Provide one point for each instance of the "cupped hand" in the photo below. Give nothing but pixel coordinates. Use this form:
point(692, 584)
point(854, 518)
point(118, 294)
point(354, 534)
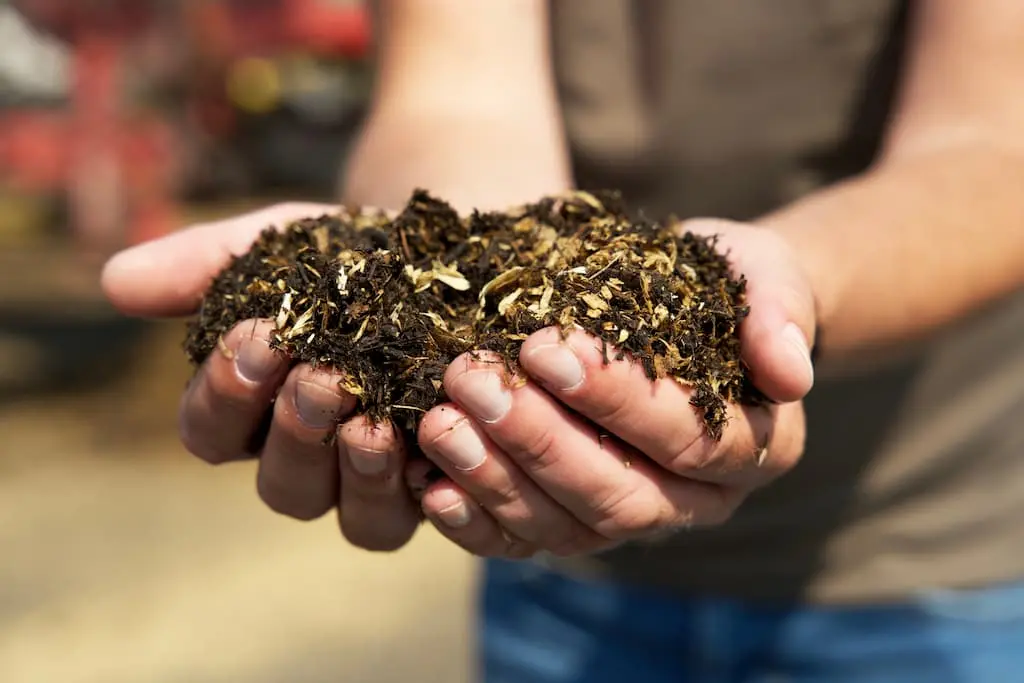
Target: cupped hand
point(579, 455)
point(248, 401)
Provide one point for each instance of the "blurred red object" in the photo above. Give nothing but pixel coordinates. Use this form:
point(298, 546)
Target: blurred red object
point(117, 166)
point(230, 29)
point(67, 18)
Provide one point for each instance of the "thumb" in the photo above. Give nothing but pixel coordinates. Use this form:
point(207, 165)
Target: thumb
point(778, 335)
point(167, 276)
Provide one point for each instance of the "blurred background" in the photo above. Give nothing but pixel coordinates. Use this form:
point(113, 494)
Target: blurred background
point(121, 557)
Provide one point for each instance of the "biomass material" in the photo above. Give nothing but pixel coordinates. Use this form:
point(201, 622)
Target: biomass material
point(391, 301)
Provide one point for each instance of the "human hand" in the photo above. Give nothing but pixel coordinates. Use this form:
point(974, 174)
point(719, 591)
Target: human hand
point(226, 404)
point(529, 468)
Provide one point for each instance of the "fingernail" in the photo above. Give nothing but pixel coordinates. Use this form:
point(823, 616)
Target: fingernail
point(556, 365)
point(367, 461)
point(483, 394)
point(455, 516)
point(462, 446)
point(256, 361)
point(317, 405)
point(796, 339)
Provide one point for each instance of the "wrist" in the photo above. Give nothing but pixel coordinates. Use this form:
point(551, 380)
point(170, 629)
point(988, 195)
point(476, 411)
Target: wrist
point(473, 161)
point(823, 252)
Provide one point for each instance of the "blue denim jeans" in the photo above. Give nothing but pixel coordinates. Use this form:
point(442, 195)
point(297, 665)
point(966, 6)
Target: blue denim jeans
point(542, 627)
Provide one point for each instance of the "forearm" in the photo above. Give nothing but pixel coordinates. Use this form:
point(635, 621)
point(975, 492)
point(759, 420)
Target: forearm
point(464, 106)
point(911, 246)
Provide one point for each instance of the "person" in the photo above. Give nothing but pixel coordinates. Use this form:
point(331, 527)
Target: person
point(862, 162)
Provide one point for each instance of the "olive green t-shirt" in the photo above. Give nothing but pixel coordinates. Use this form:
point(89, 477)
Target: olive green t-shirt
point(913, 476)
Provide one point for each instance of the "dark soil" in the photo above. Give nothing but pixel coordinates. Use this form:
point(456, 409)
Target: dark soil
point(390, 302)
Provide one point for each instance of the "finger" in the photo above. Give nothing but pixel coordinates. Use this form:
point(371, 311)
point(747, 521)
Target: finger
point(377, 511)
point(418, 477)
point(226, 401)
point(461, 520)
point(167, 276)
point(604, 484)
point(779, 332)
point(457, 444)
point(655, 417)
point(298, 472)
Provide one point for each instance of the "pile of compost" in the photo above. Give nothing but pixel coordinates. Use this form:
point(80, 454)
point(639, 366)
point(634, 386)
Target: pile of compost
point(389, 301)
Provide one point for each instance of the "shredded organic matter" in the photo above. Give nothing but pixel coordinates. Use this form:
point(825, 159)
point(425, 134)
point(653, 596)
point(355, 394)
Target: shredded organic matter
point(389, 301)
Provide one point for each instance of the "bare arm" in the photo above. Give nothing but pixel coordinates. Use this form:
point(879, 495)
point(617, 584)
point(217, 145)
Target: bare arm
point(936, 229)
point(464, 106)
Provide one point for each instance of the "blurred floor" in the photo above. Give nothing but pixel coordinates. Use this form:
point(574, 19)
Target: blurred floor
point(125, 560)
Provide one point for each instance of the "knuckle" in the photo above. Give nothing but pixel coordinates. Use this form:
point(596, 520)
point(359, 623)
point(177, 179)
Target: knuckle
point(626, 513)
point(614, 408)
point(505, 496)
point(539, 452)
point(693, 452)
point(505, 500)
